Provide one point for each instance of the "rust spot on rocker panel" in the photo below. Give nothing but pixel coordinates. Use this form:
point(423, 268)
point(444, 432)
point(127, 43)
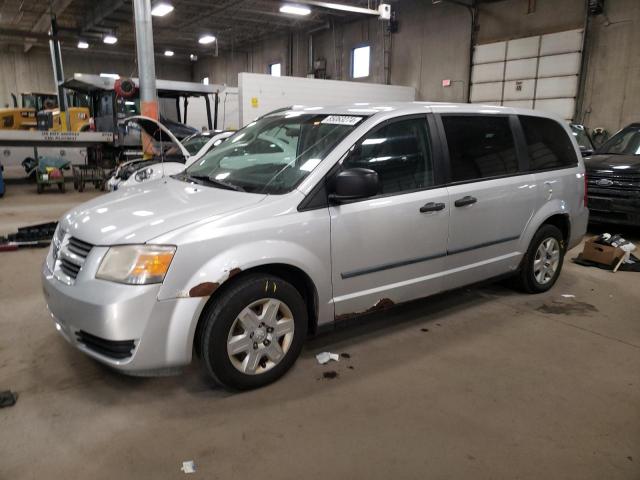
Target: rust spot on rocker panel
point(382, 304)
point(205, 289)
point(233, 272)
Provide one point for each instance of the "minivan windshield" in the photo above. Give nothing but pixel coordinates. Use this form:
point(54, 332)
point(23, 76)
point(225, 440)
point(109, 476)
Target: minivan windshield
point(273, 154)
point(625, 142)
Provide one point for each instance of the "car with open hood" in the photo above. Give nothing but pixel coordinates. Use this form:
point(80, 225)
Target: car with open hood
point(310, 216)
point(173, 155)
point(613, 173)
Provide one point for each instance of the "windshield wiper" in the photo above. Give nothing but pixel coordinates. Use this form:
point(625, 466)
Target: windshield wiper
point(204, 179)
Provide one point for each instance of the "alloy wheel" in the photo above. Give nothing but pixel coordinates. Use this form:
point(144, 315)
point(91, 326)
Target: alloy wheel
point(260, 336)
point(546, 260)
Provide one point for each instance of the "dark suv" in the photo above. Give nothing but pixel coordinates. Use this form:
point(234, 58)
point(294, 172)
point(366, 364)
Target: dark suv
point(613, 179)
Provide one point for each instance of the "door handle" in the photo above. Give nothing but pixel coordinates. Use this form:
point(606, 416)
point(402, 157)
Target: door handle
point(432, 207)
point(464, 201)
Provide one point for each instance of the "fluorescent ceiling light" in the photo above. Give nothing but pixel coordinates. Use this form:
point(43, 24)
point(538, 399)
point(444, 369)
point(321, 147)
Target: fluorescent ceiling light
point(295, 9)
point(110, 39)
point(206, 39)
point(82, 44)
point(168, 53)
point(160, 9)
point(110, 75)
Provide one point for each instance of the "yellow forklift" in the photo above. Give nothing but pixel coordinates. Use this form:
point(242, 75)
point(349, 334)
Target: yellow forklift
point(41, 111)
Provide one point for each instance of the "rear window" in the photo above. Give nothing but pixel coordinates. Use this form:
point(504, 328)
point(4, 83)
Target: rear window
point(548, 144)
point(479, 147)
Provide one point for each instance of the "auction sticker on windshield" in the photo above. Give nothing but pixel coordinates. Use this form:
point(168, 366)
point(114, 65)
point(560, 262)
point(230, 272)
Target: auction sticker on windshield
point(341, 120)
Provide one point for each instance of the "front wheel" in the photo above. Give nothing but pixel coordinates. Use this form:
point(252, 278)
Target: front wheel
point(253, 333)
point(542, 263)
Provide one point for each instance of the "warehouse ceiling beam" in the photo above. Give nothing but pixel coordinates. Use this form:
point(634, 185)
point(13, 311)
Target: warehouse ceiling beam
point(100, 12)
point(43, 24)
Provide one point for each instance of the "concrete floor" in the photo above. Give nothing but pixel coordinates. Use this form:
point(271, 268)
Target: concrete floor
point(478, 383)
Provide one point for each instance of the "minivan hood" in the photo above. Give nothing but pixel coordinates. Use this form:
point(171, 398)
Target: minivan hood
point(614, 163)
point(139, 214)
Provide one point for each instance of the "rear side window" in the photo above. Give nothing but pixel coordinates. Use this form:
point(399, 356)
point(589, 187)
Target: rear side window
point(479, 147)
point(548, 144)
point(399, 152)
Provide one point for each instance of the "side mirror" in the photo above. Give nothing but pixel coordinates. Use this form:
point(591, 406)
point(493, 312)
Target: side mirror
point(587, 152)
point(353, 184)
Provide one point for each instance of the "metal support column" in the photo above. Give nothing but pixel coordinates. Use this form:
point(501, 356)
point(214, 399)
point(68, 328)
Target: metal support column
point(146, 64)
point(58, 73)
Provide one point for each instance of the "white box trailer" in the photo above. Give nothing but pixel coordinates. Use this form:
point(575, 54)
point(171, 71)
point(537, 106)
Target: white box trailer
point(260, 94)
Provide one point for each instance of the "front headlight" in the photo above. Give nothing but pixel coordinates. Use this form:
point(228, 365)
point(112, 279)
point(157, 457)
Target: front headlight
point(136, 264)
point(144, 174)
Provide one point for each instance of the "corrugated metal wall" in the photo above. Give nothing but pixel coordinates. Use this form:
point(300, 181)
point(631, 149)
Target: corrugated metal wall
point(20, 72)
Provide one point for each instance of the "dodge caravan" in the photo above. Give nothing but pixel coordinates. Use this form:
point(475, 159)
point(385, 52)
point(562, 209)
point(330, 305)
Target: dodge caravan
point(308, 216)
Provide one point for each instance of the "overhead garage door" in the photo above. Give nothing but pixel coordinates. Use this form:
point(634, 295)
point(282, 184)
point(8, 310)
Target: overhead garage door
point(539, 72)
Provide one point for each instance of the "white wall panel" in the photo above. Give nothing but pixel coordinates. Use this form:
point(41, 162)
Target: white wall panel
point(557, 87)
point(519, 89)
point(259, 94)
point(521, 69)
point(229, 109)
point(561, 42)
point(518, 103)
point(540, 72)
point(563, 107)
point(487, 72)
point(523, 48)
point(559, 65)
point(486, 92)
point(490, 52)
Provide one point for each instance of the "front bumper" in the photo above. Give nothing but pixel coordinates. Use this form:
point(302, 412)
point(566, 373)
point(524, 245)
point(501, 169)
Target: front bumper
point(614, 209)
point(160, 333)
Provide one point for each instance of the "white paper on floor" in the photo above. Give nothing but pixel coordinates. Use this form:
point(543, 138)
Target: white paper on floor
point(326, 357)
point(188, 467)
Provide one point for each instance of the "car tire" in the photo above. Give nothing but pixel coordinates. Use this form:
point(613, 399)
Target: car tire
point(542, 263)
point(253, 332)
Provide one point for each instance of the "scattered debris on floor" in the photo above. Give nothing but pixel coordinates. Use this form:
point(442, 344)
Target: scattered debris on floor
point(568, 295)
point(326, 357)
point(8, 398)
point(561, 308)
point(32, 236)
point(330, 374)
point(351, 367)
point(345, 355)
point(424, 329)
point(188, 466)
point(610, 252)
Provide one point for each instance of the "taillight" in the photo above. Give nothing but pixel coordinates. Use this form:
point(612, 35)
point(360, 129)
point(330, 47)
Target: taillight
point(585, 190)
point(92, 124)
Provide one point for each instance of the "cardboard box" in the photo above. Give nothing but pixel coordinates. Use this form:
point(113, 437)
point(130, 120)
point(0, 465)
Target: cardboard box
point(602, 254)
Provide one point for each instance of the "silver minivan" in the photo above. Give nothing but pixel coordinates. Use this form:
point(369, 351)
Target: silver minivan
point(306, 217)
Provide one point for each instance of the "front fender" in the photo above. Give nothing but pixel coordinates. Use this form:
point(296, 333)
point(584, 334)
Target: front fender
point(200, 283)
point(211, 275)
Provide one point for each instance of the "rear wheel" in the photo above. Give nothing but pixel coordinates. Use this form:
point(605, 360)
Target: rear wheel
point(542, 263)
point(62, 187)
point(253, 332)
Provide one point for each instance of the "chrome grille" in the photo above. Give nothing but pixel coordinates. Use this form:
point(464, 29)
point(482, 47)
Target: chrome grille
point(614, 181)
point(79, 247)
point(69, 254)
point(70, 269)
